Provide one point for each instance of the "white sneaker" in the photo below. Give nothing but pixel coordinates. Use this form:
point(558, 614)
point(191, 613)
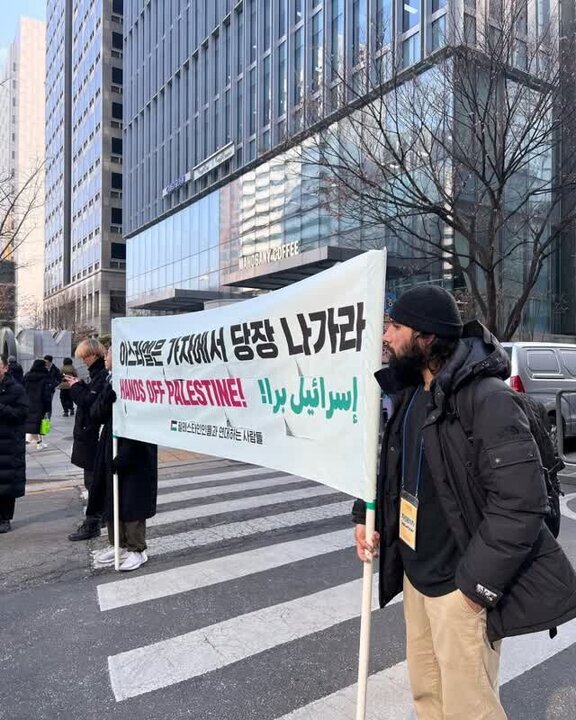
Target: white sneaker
point(41, 445)
point(134, 560)
point(106, 556)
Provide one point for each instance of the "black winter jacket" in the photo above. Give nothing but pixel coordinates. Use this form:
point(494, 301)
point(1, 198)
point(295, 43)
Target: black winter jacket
point(85, 429)
point(491, 486)
point(13, 413)
point(137, 465)
point(38, 388)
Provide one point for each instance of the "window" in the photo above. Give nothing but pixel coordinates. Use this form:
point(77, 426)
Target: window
point(116, 181)
point(118, 7)
point(266, 90)
point(383, 23)
point(521, 55)
point(252, 102)
point(438, 32)
point(266, 22)
point(117, 111)
point(239, 111)
point(117, 76)
point(116, 216)
point(438, 5)
point(337, 38)
point(543, 16)
point(281, 90)
point(298, 66)
point(117, 42)
point(240, 42)
point(227, 57)
point(298, 10)
point(542, 362)
point(411, 50)
point(358, 31)
point(117, 146)
point(410, 14)
point(252, 31)
point(282, 14)
point(569, 360)
point(317, 50)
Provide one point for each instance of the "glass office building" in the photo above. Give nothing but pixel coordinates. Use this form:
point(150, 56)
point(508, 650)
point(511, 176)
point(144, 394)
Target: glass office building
point(219, 99)
point(84, 280)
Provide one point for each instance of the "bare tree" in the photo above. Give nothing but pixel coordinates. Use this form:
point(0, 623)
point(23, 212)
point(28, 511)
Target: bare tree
point(453, 163)
point(18, 203)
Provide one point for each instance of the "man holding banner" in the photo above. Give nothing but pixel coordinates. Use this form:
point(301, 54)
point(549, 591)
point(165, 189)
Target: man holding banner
point(461, 517)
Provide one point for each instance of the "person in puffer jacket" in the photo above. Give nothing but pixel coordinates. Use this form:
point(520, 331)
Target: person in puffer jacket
point(459, 517)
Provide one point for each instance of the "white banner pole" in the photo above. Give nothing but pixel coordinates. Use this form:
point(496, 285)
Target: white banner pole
point(116, 509)
point(365, 621)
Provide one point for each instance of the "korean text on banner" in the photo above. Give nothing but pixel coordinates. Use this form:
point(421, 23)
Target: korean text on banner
point(284, 380)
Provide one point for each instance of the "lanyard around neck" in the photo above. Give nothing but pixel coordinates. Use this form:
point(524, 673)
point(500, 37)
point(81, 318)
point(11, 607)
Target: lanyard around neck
point(420, 450)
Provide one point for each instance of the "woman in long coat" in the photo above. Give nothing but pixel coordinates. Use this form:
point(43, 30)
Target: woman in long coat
point(13, 413)
point(137, 466)
point(39, 391)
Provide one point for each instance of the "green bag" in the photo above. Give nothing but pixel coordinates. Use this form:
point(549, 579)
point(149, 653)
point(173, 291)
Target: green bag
point(45, 426)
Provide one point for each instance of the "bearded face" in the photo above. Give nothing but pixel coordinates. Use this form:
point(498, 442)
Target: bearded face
point(407, 360)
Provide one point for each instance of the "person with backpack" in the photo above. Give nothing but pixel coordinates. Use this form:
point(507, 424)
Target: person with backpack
point(460, 510)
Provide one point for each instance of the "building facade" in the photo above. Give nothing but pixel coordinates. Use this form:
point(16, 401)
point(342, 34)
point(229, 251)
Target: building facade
point(224, 103)
point(22, 172)
point(84, 277)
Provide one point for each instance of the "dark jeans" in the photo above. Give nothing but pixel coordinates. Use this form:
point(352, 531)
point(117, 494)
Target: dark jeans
point(7, 508)
point(132, 535)
point(66, 400)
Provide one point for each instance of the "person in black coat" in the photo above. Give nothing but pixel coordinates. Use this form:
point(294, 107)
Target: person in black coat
point(137, 467)
point(460, 510)
point(85, 434)
point(15, 369)
point(55, 377)
point(13, 414)
point(39, 391)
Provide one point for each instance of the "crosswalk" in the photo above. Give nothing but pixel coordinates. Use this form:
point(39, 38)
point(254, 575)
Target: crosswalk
point(260, 565)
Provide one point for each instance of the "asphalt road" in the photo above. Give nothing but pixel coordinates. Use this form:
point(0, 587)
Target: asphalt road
point(246, 610)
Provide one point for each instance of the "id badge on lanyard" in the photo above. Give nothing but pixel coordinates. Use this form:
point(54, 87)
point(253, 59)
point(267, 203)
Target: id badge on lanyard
point(408, 519)
point(409, 502)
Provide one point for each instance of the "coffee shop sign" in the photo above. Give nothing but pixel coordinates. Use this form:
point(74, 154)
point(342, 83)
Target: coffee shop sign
point(270, 255)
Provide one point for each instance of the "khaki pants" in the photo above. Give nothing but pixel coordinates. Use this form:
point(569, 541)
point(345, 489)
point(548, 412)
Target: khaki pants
point(132, 535)
point(453, 669)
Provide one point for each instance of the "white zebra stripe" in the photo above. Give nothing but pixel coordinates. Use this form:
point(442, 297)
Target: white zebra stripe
point(184, 657)
point(228, 506)
point(205, 492)
point(231, 475)
point(245, 528)
point(199, 575)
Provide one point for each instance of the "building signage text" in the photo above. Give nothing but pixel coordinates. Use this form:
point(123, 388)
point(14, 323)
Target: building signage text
point(270, 255)
point(177, 184)
point(214, 160)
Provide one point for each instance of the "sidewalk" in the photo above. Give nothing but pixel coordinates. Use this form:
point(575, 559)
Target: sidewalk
point(53, 463)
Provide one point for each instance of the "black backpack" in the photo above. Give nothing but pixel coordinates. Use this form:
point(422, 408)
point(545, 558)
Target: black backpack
point(540, 429)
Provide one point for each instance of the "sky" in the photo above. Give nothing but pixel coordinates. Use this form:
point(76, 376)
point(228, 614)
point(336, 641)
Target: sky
point(10, 11)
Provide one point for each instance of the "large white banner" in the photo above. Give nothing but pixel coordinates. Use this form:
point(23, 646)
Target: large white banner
point(285, 380)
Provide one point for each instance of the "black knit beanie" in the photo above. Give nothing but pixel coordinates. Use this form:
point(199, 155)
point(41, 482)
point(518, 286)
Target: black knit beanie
point(428, 309)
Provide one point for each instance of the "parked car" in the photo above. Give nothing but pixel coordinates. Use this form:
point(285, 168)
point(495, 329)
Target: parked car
point(542, 369)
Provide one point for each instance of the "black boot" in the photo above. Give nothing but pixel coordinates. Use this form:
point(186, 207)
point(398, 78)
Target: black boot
point(85, 531)
point(5, 526)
